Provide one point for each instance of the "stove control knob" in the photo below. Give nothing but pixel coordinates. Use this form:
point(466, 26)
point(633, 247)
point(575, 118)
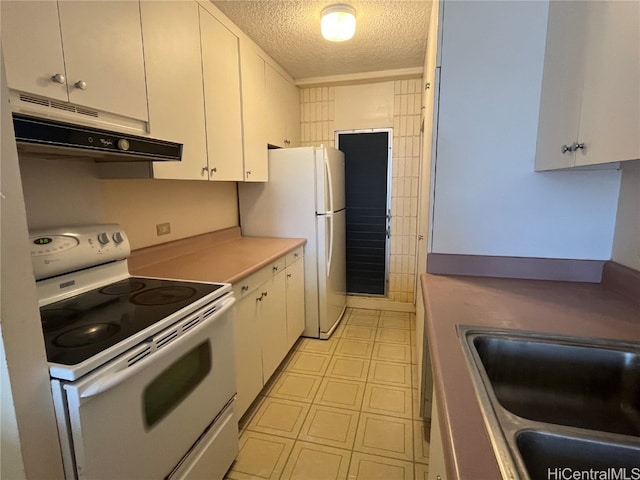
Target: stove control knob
point(103, 238)
point(118, 238)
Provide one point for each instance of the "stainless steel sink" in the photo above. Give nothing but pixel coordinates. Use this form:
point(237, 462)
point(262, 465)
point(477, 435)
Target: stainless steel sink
point(543, 452)
point(556, 402)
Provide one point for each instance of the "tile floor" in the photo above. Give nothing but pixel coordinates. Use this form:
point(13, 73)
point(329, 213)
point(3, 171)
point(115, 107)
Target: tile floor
point(343, 408)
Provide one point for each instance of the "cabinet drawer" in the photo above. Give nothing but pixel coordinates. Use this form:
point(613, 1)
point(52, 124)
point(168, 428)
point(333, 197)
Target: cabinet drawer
point(247, 285)
point(295, 255)
point(278, 266)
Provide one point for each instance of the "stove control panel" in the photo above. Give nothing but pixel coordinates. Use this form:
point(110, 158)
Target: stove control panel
point(66, 249)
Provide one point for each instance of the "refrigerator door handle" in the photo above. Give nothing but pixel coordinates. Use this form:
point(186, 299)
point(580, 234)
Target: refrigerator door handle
point(327, 172)
point(329, 258)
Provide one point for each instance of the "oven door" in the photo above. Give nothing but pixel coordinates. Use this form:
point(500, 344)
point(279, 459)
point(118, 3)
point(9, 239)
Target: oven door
point(139, 421)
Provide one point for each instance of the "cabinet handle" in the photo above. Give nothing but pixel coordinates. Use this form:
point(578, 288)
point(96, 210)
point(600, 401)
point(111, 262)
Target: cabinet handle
point(58, 78)
point(572, 148)
point(288, 275)
point(295, 255)
point(214, 169)
point(248, 173)
point(566, 149)
point(275, 269)
point(81, 84)
point(259, 299)
point(245, 288)
point(264, 294)
point(205, 170)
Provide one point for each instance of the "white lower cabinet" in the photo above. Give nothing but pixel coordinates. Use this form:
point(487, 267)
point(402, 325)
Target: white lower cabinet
point(295, 301)
point(269, 320)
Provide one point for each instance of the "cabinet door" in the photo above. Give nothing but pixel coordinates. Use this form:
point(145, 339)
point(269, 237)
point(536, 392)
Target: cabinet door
point(273, 325)
point(561, 85)
point(248, 351)
point(295, 301)
point(253, 118)
point(174, 84)
point(103, 48)
point(610, 116)
point(32, 48)
point(221, 72)
point(277, 99)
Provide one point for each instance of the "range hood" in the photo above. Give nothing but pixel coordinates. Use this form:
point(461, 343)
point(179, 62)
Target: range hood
point(44, 136)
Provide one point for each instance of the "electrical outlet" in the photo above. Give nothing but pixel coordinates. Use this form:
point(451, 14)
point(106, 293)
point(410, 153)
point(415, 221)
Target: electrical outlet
point(163, 228)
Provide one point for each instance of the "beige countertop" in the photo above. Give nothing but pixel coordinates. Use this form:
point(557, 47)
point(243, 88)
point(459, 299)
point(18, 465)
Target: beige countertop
point(564, 308)
point(222, 256)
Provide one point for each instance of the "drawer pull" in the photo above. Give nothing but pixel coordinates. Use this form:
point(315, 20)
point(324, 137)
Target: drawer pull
point(275, 269)
point(245, 288)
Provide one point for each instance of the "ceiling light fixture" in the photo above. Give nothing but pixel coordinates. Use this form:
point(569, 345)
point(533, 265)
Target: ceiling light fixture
point(338, 23)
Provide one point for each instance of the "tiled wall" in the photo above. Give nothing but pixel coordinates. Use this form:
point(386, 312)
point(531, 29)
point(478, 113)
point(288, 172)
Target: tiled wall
point(317, 115)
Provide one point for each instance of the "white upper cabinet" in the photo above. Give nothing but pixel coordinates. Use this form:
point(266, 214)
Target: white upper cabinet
point(610, 120)
point(283, 110)
point(87, 53)
point(174, 83)
point(221, 70)
point(194, 90)
point(33, 60)
point(590, 104)
point(252, 71)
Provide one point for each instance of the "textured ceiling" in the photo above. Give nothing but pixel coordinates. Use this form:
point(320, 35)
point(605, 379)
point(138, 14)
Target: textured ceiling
point(389, 34)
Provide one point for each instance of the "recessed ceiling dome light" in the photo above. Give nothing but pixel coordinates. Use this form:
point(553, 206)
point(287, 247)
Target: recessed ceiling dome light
point(338, 23)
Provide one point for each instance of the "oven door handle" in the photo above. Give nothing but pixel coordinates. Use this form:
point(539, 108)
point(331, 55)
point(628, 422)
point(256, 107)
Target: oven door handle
point(108, 381)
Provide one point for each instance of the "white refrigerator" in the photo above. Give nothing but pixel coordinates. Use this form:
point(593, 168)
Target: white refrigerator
point(304, 198)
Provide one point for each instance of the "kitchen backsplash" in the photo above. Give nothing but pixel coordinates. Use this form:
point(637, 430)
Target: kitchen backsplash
point(317, 112)
point(68, 192)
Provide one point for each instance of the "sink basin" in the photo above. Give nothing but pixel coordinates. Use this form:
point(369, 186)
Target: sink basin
point(556, 402)
point(580, 386)
point(543, 452)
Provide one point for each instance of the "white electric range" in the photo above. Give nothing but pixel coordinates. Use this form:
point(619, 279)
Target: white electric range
point(142, 369)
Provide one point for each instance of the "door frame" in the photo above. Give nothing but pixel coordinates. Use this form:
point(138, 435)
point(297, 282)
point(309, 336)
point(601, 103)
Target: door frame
point(387, 245)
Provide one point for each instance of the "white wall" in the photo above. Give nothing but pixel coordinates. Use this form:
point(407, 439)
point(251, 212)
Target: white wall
point(364, 106)
point(626, 241)
point(488, 200)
